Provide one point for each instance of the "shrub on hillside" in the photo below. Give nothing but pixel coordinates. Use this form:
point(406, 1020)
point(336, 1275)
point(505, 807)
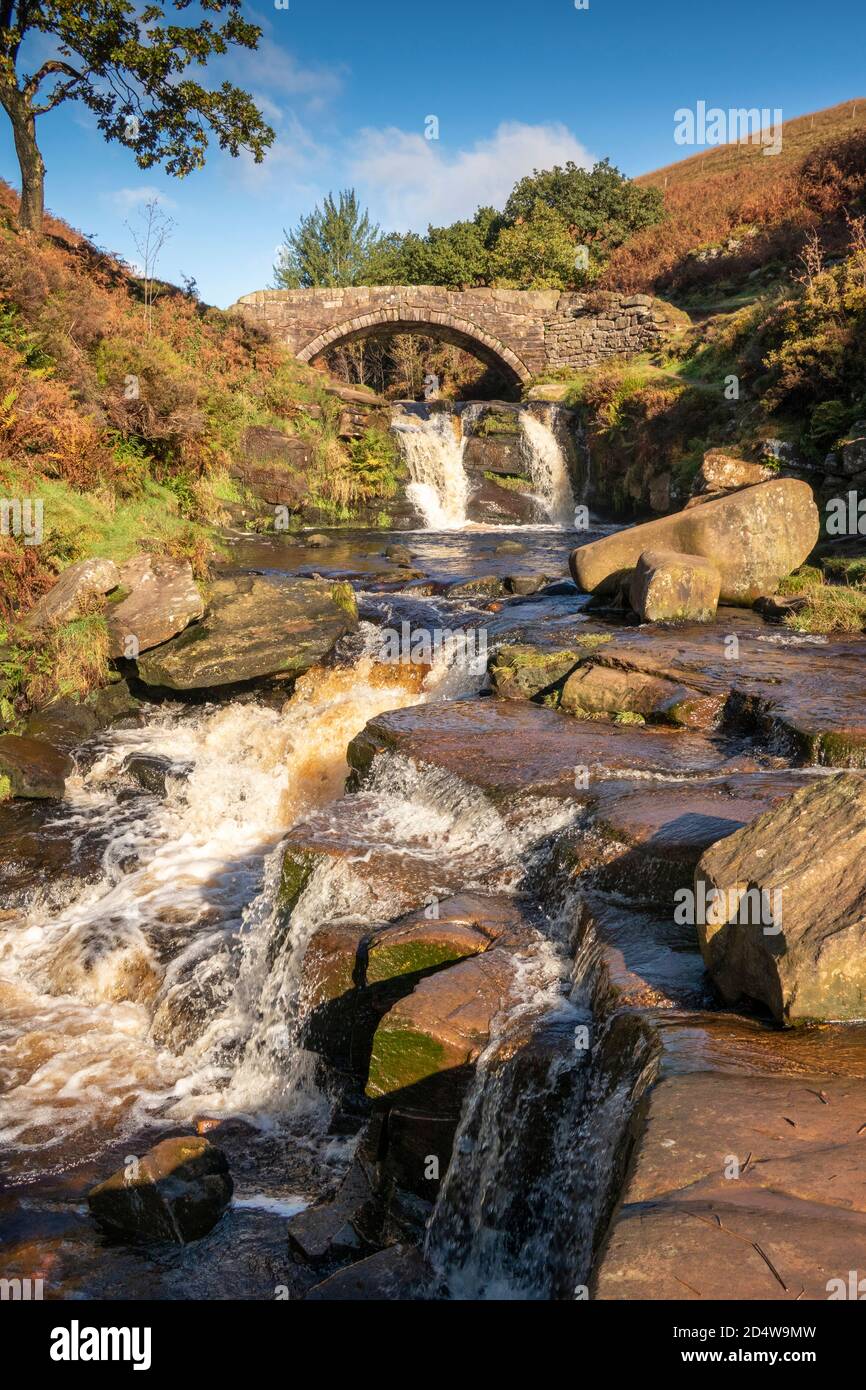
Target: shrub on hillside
point(151, 394)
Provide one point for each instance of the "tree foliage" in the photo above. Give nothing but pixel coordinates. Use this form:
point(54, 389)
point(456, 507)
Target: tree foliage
point(556, 232)
point(334, 246)
point(601, 207)
point(129, 66)
point(536, 253)
point(454, 255)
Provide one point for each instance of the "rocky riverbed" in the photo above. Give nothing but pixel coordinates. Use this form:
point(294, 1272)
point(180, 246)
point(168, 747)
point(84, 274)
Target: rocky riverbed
point(397, 939)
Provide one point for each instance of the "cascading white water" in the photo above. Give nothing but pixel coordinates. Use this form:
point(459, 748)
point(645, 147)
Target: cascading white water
point(548, 468)
point(433, 451)
point(123, 1005)
point(434, 444)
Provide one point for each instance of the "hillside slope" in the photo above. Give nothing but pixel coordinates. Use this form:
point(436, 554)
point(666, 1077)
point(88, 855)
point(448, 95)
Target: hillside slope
point(764, 204)
point(123, 435)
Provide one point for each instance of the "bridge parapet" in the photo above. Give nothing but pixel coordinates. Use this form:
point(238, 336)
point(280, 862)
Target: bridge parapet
point(524, 332)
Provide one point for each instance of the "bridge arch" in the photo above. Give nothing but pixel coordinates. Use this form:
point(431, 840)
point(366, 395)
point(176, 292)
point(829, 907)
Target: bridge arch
point(447, 327)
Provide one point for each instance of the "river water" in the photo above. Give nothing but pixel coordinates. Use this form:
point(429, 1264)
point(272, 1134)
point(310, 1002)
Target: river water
point(150, 984)
point(139, 991)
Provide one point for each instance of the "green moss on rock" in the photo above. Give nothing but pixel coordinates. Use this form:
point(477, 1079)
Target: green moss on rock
point(297, 869)
point(402, 1057)
point(410, 958)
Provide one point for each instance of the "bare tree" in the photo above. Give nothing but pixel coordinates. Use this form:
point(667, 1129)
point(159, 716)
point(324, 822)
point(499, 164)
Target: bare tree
point(149, 241)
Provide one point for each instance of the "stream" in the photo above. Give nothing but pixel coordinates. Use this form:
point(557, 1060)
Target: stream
point(151, 983)
point(139, 994)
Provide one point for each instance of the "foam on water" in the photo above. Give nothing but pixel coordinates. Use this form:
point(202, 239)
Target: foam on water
point(114, 1004)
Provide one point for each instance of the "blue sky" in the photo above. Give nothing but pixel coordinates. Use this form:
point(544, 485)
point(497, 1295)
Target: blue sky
point(349, 84)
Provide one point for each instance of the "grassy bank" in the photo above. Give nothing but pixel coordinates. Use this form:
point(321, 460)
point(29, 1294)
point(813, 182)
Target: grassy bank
point(125, 430)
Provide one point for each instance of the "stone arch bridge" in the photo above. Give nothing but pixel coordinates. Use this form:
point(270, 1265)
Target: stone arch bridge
point(519, 332)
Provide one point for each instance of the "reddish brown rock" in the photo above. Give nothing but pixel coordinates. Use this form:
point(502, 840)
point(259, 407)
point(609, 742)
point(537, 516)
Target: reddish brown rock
point(177, 1191)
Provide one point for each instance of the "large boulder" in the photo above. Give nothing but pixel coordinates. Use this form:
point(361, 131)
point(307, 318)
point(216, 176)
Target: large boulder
point(85, 580)
point(603, 690)
point(31, 768)
point(753, 537)
point(254, 628)
point(786, 924)
point(163, 600)
point(177, 1191)
point(721, 472)
point(668, 587)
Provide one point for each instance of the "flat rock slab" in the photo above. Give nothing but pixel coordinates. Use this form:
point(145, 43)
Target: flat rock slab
point(712, 1250)
point(740, 1045)
point(163, 599)
point(811, 690)
point(254, 628)
point(31, 768)
point(507, 747)
point(792, 1219)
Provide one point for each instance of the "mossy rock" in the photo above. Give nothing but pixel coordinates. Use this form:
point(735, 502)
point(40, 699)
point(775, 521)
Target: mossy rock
point(403, 1057)
point(298, 866)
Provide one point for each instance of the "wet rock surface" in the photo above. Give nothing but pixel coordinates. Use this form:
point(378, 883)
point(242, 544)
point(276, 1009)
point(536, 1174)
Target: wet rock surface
point(805, 693)
point(254, 628)
point(476, 740)
point(30, 767)
point(177, 1192)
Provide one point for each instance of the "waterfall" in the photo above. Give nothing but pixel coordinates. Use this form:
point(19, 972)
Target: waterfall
point(543, 1136)
point(549, 470)
point(142, 995)
point(433, 443)
point(433, 449)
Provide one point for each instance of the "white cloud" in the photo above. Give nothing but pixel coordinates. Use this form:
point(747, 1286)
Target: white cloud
point(275, 71)
point(294, 154)
point(411, 181)
point(128, 199)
